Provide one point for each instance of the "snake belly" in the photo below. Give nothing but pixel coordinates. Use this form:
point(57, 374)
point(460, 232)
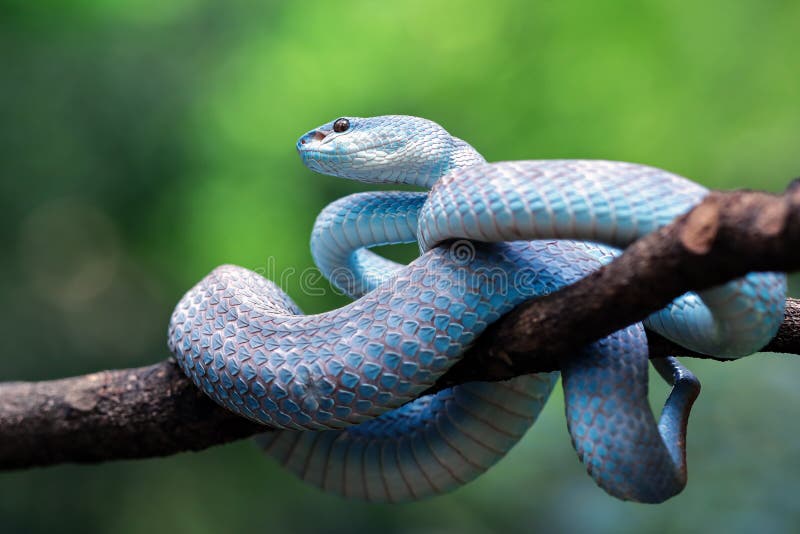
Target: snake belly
point(243, 341)
point(432, 444)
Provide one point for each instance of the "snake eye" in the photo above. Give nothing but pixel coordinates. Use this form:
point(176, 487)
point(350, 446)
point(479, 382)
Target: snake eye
point(341, 125)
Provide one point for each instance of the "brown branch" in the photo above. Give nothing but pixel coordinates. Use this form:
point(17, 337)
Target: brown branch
point(724, 237)
point(156, 411)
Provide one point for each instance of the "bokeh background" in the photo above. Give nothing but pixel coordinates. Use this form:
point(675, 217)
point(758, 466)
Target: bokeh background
point(144, 142)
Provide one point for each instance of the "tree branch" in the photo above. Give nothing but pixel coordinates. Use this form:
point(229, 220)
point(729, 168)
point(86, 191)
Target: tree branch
point(156, 411)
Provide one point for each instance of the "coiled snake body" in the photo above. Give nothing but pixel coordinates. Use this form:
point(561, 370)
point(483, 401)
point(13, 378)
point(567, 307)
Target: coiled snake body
point(343, 384)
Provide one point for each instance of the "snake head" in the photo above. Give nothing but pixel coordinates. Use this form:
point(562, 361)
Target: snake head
point(385, 149)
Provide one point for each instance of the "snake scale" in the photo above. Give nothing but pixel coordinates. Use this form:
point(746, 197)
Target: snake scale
point(341, 387)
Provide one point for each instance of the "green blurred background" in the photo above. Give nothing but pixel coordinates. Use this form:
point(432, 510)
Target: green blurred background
point(144, 142)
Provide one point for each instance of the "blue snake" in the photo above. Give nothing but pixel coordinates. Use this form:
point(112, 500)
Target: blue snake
point(342, 386)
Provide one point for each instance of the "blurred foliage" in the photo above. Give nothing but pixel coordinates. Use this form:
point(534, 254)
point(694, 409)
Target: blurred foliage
point(145, 142)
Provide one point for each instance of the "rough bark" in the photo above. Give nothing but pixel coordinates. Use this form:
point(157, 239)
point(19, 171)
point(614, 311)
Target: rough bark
point(156, 411)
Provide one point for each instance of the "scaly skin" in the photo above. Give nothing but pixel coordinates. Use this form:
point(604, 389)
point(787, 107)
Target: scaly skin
point(240, 338)
point(341, 233)
point(471, 426)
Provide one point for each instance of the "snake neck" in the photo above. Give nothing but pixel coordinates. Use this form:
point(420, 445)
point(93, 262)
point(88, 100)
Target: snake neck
point(424, 167)
point(460, 155)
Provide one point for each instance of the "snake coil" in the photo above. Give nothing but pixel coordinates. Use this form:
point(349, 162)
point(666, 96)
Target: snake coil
point(341, 387)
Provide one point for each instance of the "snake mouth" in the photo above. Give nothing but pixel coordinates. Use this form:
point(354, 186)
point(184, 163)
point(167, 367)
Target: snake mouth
point(320, 150)
point(320, 143)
